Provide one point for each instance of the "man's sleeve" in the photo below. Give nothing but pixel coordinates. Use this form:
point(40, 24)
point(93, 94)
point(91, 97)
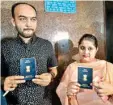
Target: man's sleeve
point(4, 68)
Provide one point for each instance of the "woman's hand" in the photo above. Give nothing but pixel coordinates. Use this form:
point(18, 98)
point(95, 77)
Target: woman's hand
point(104, 88)
point(73, 88)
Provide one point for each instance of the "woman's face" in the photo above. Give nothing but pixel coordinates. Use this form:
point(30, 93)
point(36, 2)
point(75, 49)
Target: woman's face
point(87, 50)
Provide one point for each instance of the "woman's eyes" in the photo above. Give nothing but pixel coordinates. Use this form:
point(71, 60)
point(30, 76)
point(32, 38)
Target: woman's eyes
point(83, 48)
point(90, 48)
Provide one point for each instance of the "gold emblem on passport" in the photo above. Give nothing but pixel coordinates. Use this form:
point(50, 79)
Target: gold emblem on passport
point(85, 77)
point(27, 68)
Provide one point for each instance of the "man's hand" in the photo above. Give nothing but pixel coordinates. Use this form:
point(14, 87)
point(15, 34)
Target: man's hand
point(11, 82)
point(43, 79)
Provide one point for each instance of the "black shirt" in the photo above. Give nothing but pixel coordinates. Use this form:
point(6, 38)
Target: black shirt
point(12, 51)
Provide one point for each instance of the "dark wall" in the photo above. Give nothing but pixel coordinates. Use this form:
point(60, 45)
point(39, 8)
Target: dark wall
point(109, 30)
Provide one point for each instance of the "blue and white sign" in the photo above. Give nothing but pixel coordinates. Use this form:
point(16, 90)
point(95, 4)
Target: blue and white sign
point(62, 6)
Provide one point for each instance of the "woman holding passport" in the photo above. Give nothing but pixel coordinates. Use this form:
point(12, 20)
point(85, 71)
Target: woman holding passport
point(88, 81)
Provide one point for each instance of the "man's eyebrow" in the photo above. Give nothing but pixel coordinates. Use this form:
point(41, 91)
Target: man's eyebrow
point(34, 17)
point(27, 17)
point(22, 16)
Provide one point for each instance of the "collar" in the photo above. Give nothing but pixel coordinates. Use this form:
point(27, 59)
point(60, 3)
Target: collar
point(32, 40)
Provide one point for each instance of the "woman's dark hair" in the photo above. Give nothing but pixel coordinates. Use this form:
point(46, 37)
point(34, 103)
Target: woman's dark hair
point(19, 3)
point(89, 37)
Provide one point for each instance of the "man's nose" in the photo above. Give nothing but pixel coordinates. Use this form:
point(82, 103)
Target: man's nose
point(28, 23)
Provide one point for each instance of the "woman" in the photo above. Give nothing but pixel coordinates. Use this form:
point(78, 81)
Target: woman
point(69, 90)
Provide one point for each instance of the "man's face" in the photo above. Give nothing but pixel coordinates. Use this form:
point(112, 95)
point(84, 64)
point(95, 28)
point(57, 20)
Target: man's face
point(25, 20)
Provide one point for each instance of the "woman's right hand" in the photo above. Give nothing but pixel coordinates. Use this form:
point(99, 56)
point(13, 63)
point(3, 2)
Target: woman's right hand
point(11, 82)
point(73, 88)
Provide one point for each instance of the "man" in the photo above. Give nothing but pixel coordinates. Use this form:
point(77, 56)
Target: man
point(27, 45)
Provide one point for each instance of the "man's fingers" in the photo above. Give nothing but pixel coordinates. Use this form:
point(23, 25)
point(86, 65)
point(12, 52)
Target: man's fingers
point(43, 76)
point(14, 85)
point(18, 81)
point(11, 78)
point(38, 76)
point(39, 80)
point(11, 89)
point(43, 79)
point(12, 82)
point(16, 77)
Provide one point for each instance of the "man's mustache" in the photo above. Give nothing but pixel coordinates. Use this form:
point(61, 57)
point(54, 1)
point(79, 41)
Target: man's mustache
point(28, 29)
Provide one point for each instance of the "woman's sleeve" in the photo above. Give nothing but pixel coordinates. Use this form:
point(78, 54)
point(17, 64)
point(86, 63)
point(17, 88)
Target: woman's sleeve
point(109, 69)
point(62, 87)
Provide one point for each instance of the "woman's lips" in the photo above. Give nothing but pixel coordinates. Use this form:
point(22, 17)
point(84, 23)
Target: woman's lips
point(85, 56)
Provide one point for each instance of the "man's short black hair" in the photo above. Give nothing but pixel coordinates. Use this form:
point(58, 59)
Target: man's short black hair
point(19, 3)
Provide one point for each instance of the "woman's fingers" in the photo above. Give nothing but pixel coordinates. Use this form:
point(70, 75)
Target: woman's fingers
point(73, 88)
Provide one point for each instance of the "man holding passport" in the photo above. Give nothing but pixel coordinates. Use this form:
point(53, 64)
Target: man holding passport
point(28, 62)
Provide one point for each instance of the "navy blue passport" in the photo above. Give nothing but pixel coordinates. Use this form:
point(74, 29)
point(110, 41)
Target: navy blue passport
point(28, 68)
point(85, 76)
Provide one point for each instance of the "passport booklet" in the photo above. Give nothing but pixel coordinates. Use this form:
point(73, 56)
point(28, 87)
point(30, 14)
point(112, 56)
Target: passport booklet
point(28, 68)
point(85, 76)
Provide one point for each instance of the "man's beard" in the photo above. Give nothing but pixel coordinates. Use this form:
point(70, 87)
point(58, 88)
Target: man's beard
point(23, 34)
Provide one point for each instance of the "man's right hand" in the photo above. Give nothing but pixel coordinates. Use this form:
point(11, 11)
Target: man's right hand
point(11, 82)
